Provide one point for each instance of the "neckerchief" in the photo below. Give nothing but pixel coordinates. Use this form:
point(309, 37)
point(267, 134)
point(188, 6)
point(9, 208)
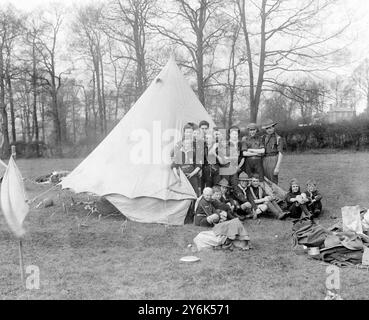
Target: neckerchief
point(243, 190)
point(253, 193)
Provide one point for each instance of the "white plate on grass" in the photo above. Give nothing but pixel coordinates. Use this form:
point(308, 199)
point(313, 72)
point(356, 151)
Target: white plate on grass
point(189, 259)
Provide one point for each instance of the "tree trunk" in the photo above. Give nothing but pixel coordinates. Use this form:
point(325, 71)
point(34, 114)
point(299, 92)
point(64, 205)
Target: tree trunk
point(200, 54)
point(93, 104)
point(103, 94)
point(56, 121)
point(259, 86)
point(11, 104)
point(34, 89)
point(5, 152)
point(99, 96)
point(74, 123)
point(43, 117)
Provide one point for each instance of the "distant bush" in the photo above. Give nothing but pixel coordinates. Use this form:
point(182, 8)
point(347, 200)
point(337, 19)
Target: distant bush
point(31, 149)
point(344, 135)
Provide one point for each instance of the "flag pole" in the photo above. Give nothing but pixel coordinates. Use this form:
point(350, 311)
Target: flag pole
point(21, 263)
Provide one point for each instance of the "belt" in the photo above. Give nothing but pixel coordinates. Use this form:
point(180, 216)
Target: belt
point(201, 215)
point(253, 157)
point(271, 154)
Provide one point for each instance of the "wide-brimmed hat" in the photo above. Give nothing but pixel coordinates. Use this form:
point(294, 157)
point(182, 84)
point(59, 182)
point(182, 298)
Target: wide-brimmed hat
point(268, 123)
point(243, 176)
point(223, 183)
point(252, 125)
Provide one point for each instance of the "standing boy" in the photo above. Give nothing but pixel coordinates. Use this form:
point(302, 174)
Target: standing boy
point(273, 145)
point(253, 150)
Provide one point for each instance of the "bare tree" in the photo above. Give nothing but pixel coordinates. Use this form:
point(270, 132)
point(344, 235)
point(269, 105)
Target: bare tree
point(10, 26)
point(127, 22)
point(343, 93)
point(90, 43)
point(361, 79)
point(120, 70)
point(197, 26)
point(34, 30)
point(281, 37)
point(46, 45)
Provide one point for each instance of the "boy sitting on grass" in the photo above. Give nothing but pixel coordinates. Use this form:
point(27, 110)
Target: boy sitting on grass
point(226, 196)
point(209, 211)
point(240, 195)
point(261, 201)
point(296, 201)
point(223, 203)
point(314, 197)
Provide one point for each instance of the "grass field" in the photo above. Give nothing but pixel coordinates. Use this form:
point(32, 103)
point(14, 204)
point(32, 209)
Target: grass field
point(142, 262)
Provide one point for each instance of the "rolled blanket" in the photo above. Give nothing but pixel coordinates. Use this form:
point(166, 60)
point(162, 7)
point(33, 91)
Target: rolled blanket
point(232, 229)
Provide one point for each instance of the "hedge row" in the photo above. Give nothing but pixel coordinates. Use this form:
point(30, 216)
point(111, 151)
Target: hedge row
point(344, 135)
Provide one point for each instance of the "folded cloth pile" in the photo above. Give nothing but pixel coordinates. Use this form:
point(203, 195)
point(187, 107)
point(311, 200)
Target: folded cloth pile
point(343, 248)
point(306, 232)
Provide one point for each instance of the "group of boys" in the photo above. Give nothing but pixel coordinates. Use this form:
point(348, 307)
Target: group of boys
point(233, 167)
point(247, 200)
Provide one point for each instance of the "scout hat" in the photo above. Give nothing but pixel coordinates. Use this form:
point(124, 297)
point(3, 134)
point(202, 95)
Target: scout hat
point(268, 123)
point(243, 176)
point(223, 183)
point(252, 125)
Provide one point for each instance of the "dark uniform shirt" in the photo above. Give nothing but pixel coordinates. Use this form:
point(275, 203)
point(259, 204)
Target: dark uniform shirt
point(254, 142)
point(291, 195)
point(273, 144)
point(240, 194)
point(207, 208)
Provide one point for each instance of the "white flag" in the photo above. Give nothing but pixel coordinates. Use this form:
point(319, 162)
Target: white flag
point(13, 199)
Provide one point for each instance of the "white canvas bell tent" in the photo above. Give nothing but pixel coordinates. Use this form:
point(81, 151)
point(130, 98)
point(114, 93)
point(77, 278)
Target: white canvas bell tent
point(131, 166)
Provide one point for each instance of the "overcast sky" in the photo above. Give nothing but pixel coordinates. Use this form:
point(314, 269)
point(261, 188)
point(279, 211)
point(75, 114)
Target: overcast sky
point(357, 11)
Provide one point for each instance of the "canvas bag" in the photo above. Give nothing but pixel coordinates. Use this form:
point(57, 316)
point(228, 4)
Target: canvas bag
point(351, 220)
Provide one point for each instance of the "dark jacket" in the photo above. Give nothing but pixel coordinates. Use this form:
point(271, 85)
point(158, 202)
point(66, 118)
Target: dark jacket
point(207, 208)
point(273, 144)
point(228, 201)
point(291, 195)
point(240, 195)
